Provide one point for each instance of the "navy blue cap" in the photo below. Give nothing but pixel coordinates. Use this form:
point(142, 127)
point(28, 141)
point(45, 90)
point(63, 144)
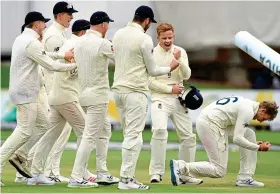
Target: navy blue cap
point(62, 7)
point(145, 12)
point(191, 98)
point(99, 17)
point(33, 16)
point(80, 25)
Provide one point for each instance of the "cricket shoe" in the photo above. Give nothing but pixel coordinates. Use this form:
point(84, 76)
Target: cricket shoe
point(103, 179)
point(19, 163)
point(136, 181)
point(59, 179)
point(249, 183)
point(127, 184)
point(88, 176)
point(81, 184)
point(40, 179)
point(20, 180)
point(175, 172)
point(156, 178)
point(189, 180)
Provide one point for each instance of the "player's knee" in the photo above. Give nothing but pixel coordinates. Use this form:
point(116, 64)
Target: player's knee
point(107, 133)
point(188, 140)
point(132, 142)
point(220, 173)
point(160, 134)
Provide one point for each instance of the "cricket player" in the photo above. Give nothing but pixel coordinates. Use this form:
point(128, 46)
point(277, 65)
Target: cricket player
point(165, 104)
point(53, 40)
point(22, 158)
point(92, 53)
point(55, 35)
point(134, 63)
point(64, 107)
point(24, 87)
point(52, 167)
point(229, 116)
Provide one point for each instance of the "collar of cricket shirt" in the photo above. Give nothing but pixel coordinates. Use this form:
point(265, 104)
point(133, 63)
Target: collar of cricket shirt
point(31, 32)
point(59, 27)
point(256, 106)
point(73, 36)
point(164, 51)
point(135, 25)
point(94, 32)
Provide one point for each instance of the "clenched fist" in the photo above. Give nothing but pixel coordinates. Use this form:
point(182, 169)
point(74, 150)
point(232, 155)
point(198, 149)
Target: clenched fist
point(177, 53)
point(264, 146)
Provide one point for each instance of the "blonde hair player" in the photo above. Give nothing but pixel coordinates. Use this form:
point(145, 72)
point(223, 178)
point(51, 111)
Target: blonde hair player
point(165, 104)
point(229, 116)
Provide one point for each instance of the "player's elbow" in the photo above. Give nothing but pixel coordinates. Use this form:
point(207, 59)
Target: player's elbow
point(153, 72)
point(187, 76)
point(235, 140)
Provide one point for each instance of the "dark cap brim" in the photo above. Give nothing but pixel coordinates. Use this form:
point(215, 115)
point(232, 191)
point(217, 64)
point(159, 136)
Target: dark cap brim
point(46, 20)
point(71, 11)
point(110, 20)
point(153, 20)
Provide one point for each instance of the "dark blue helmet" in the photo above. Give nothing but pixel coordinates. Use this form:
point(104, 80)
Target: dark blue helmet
point(191, 98)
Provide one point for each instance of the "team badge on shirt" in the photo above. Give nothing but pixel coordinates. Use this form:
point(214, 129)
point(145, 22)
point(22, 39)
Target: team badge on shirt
point(56, 49)
point(159, 106)
point(43, 53)
point(246, 125)
point(152, 51)
point(112, 48)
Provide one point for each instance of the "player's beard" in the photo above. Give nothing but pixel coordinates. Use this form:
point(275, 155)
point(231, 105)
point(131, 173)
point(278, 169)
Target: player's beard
point(147, 27)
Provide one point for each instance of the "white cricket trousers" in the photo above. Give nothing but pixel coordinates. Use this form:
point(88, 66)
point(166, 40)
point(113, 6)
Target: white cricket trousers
point(27, 150)
point(52, 166)
point(54, 157)
point(31, 119)
point(59, 115)
point(132, 108)
point(215, 142)
point(161, 111)
point(102, 143)
point(94, 124)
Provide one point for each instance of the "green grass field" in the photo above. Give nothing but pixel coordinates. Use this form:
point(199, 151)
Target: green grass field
point(117, 135)
point(268, 171)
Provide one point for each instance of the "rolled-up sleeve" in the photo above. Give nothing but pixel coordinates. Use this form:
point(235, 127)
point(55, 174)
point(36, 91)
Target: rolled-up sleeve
point(36, 52)
point(147, 51)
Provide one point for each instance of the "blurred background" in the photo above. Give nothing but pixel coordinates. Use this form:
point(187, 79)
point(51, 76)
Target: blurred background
point(205, 29)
